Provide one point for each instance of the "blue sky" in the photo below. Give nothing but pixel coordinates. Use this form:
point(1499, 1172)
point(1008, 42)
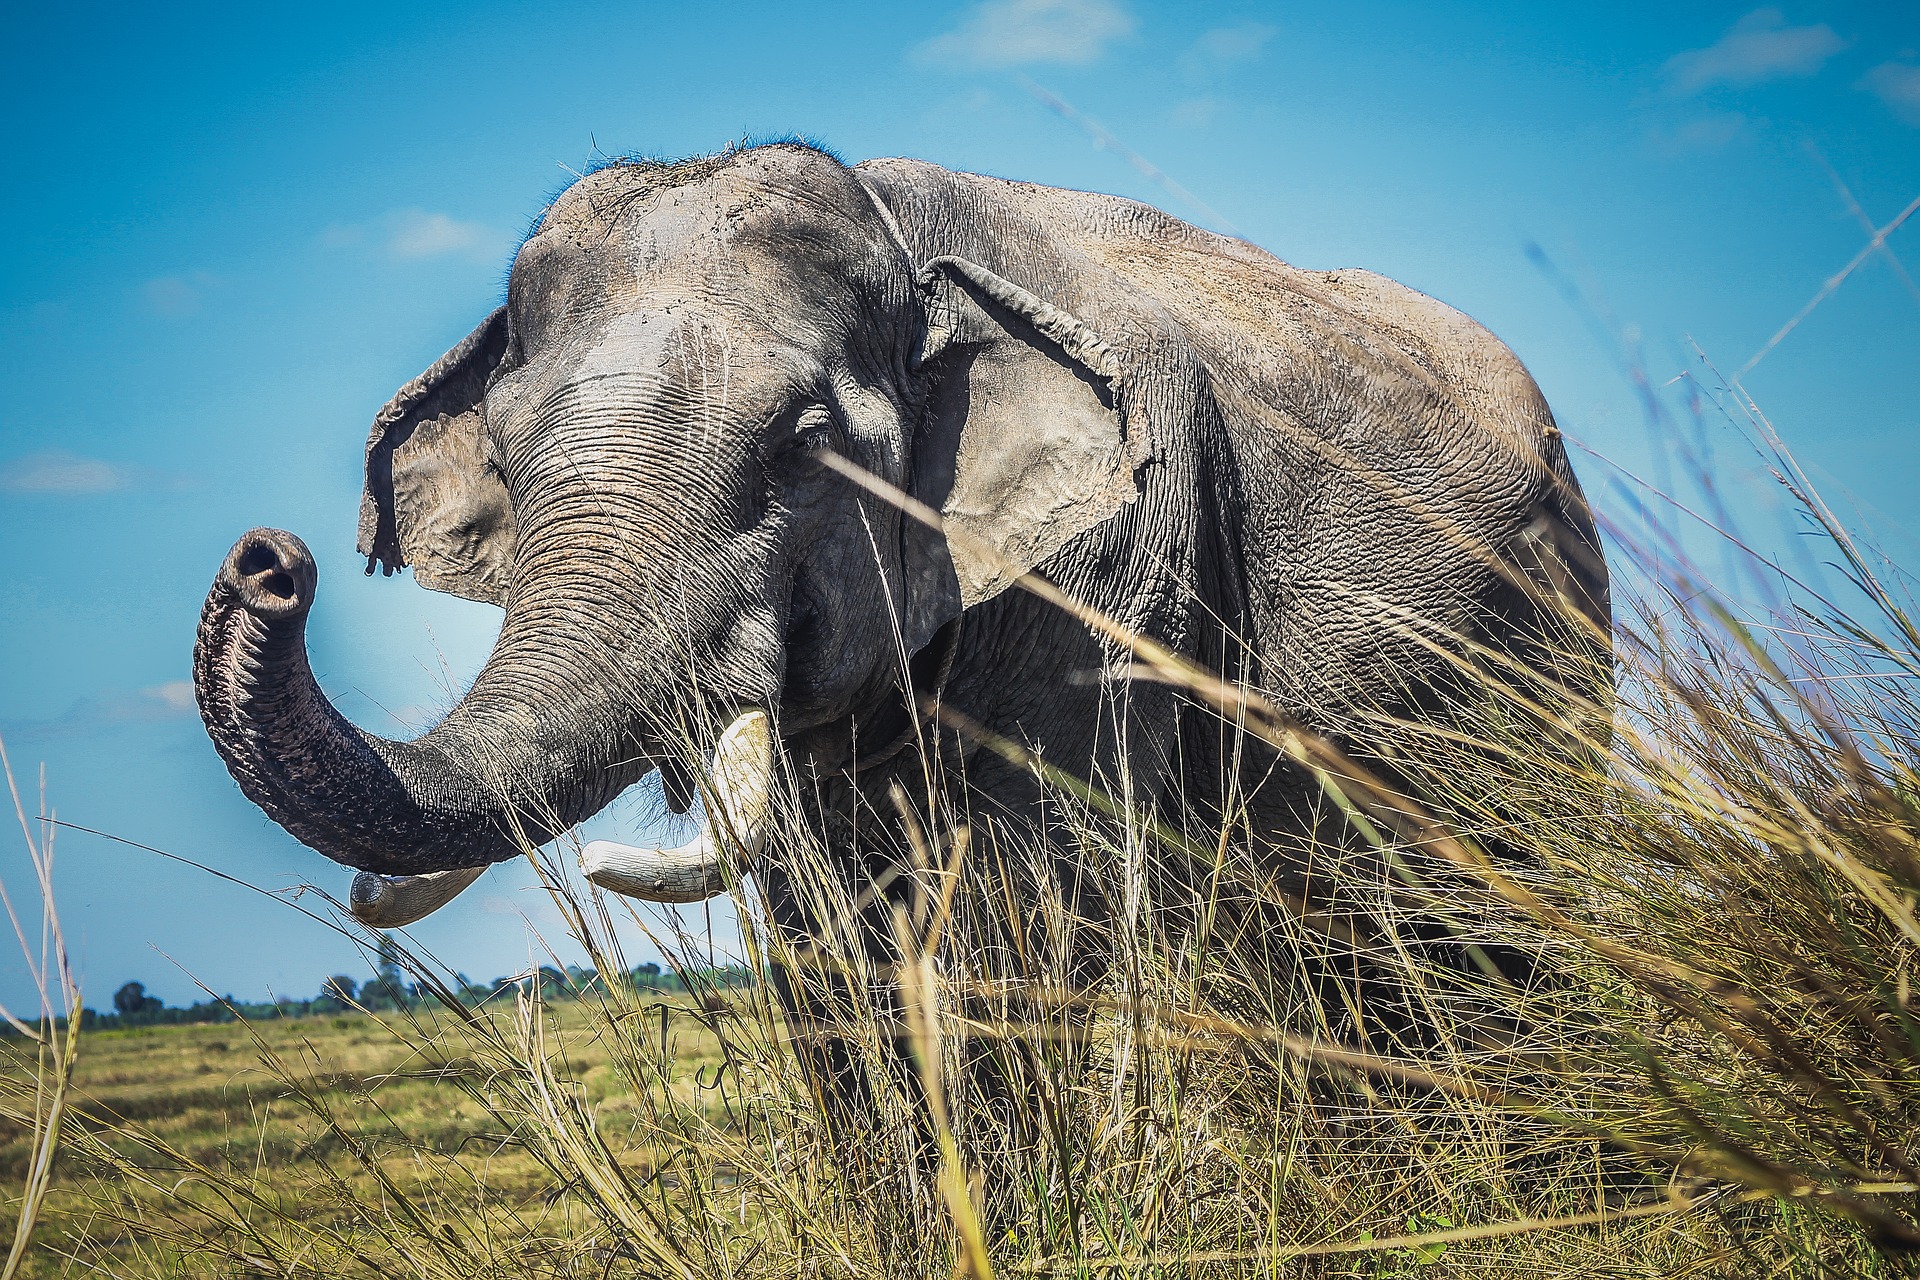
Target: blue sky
point(229, 234)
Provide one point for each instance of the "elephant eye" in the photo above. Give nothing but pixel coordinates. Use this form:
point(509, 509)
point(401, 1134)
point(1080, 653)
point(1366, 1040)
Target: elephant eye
point(815, 429)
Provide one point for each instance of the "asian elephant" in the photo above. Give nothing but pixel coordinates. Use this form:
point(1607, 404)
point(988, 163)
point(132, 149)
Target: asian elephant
point(1320, 482)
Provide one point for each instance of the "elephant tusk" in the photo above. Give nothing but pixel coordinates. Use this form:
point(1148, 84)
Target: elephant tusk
point(739, 799)
point(387, 902)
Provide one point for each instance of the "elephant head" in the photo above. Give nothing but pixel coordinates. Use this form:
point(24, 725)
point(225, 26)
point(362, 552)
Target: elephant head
point(625, 458)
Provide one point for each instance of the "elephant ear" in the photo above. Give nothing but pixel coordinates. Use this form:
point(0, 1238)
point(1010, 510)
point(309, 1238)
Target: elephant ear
point(1024, 444)
point(432, 499)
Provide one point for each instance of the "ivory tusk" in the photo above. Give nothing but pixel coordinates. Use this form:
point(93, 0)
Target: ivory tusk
point(739, 798)
point(387, 902)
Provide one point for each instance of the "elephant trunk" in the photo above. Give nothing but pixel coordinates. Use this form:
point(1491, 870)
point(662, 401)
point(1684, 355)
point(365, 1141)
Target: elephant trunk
point(500, 771)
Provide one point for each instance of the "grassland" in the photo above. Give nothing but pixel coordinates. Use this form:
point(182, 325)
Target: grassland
point(233, 1148)
point(246, 1105)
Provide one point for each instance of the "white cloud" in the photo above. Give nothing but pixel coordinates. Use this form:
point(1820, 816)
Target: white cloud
point(1011, 33)
point(1898, 85)
point(56, 471)
point(1758, 48)
point(413, 234)
point(175, 696)
point(1196, 113)
point(416, 233)
point(1702, 134)
point(176, 296)
point(1224, 46)
point(112, 709)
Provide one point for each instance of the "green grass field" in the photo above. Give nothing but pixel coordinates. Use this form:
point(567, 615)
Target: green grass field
point(352, 1145)
point(238, 1146)
point(245, 1103)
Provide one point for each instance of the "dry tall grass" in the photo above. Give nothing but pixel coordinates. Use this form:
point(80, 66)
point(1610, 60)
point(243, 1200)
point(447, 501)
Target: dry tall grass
point(1710, 1065)
point(36, 1100)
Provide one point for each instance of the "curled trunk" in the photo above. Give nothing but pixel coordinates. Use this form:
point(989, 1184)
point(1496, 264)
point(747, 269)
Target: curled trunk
point(509, 764)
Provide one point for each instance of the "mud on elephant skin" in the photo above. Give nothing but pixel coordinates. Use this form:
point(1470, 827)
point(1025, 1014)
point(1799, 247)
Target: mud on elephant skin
point(1321, 480)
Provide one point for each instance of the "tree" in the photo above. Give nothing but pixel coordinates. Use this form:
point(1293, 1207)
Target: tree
point(392, 976)
point(339, 988)
point(134, 1004)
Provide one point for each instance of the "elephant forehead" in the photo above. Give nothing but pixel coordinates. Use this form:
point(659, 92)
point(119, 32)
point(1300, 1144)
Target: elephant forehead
point(762, 223)
point(665, 284)
point(671, 339)
point(667, 354)
point(648, 223)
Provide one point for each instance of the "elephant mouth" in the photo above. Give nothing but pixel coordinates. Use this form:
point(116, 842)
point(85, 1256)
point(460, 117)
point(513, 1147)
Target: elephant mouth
point(737, 788)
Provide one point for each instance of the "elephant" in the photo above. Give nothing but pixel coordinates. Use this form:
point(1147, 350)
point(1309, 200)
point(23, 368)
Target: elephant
point(759, 457)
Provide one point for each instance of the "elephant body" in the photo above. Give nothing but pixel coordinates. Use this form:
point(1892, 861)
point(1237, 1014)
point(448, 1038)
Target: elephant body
point(1322, 484)
point(1334, 470)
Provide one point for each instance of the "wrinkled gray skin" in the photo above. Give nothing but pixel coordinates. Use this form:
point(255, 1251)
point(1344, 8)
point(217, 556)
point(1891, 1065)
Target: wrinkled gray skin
point(1266, 469)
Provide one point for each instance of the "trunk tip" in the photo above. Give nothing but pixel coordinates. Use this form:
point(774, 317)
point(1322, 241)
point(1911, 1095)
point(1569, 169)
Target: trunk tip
point(271, 574)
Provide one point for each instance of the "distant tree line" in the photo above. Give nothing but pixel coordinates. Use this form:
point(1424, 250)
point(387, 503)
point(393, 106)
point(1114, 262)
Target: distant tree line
point(387, 989)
